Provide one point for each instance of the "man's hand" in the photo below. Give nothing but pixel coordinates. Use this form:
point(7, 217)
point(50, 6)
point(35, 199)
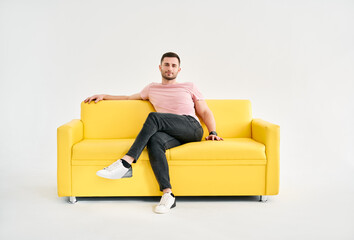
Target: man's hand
point(97, 98)
point(214, 137)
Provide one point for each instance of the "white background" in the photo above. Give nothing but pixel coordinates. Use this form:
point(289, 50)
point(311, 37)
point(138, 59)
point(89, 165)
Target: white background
point(293, 60)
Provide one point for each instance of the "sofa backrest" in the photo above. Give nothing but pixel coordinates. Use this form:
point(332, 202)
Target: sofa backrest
point(124, 118)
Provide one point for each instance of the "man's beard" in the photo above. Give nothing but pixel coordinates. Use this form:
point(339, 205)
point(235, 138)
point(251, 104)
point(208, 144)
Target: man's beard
point(169, 78)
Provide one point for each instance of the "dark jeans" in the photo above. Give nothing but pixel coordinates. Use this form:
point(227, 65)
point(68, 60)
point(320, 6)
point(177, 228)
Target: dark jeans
point(160, 132)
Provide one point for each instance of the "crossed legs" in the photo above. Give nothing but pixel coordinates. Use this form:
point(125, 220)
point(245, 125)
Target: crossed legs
point(162, 131)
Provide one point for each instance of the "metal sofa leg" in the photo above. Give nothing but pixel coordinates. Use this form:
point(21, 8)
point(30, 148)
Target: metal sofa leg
point(263, 198)
point(72, 200)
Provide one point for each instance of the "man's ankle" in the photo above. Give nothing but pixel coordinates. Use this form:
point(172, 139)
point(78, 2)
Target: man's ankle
point(167, 190)
point(128, 159)
point(126, 164)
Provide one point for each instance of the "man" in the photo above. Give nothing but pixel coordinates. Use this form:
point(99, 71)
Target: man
point(174, 123)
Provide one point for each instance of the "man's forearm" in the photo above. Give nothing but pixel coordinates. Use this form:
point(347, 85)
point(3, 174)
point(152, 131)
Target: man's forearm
point(209, 121)
point(111, 97)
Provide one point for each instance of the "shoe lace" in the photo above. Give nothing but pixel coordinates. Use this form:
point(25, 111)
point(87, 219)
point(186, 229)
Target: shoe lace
point(164, 199)
point(113, 166)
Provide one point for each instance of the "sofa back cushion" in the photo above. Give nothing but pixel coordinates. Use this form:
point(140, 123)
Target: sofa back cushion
point(124, 118)
point(233, 118)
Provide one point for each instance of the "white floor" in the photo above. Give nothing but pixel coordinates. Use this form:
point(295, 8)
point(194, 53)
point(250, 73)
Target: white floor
point(31, 209)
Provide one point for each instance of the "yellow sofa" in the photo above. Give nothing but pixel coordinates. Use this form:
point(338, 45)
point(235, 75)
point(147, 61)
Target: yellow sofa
point(245, 163)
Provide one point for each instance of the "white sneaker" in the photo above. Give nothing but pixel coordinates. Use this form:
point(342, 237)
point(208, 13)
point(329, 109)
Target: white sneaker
point(167, 202)
point(115, 171)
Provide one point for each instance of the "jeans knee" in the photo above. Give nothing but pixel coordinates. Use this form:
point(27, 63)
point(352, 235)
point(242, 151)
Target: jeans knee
point(155, 142)
point(152, 114)
point(151, 119)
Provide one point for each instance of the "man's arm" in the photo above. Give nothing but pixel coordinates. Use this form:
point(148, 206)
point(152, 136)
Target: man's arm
point(206, 114)
point(100, 97)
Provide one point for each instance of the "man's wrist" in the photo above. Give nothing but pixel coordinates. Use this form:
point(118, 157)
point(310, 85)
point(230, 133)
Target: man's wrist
point(213, 133)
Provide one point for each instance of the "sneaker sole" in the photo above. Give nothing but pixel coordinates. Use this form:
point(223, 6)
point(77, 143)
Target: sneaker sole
point(128, 174)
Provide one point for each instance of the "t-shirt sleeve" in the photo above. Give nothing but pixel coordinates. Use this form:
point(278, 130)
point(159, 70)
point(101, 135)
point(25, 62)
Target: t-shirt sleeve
point(144, 94)
point(196, 95)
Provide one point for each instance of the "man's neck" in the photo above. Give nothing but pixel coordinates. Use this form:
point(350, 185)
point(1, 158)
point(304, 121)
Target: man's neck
point(168, 82)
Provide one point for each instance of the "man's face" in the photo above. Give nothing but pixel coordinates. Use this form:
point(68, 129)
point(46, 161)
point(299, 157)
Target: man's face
point(169, 68)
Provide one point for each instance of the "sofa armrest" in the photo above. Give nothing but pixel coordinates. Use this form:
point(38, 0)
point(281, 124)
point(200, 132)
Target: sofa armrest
point(269, 134)
point(67, 135)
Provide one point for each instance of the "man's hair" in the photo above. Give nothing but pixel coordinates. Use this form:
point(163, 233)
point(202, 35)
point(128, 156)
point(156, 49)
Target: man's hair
point(171, 54)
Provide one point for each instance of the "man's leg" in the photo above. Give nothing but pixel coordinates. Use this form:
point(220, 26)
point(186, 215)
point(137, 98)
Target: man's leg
point(157, 146)
point(183, 128)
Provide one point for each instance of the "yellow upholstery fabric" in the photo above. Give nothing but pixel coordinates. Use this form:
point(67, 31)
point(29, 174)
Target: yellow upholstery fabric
point(105, 149)
point(67, 135)
point(233, 118)
point(269, 134)
point(114, 119)
point(245, 163)
point(124, 119)
point(230, 148)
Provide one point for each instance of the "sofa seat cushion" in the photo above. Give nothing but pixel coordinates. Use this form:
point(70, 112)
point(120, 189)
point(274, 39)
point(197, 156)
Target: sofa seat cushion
point(98, 150)
point(229, 149)
point(103, 149)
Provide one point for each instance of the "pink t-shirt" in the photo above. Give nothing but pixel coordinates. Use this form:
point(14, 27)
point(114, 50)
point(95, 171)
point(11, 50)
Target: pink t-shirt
point(175, 98)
